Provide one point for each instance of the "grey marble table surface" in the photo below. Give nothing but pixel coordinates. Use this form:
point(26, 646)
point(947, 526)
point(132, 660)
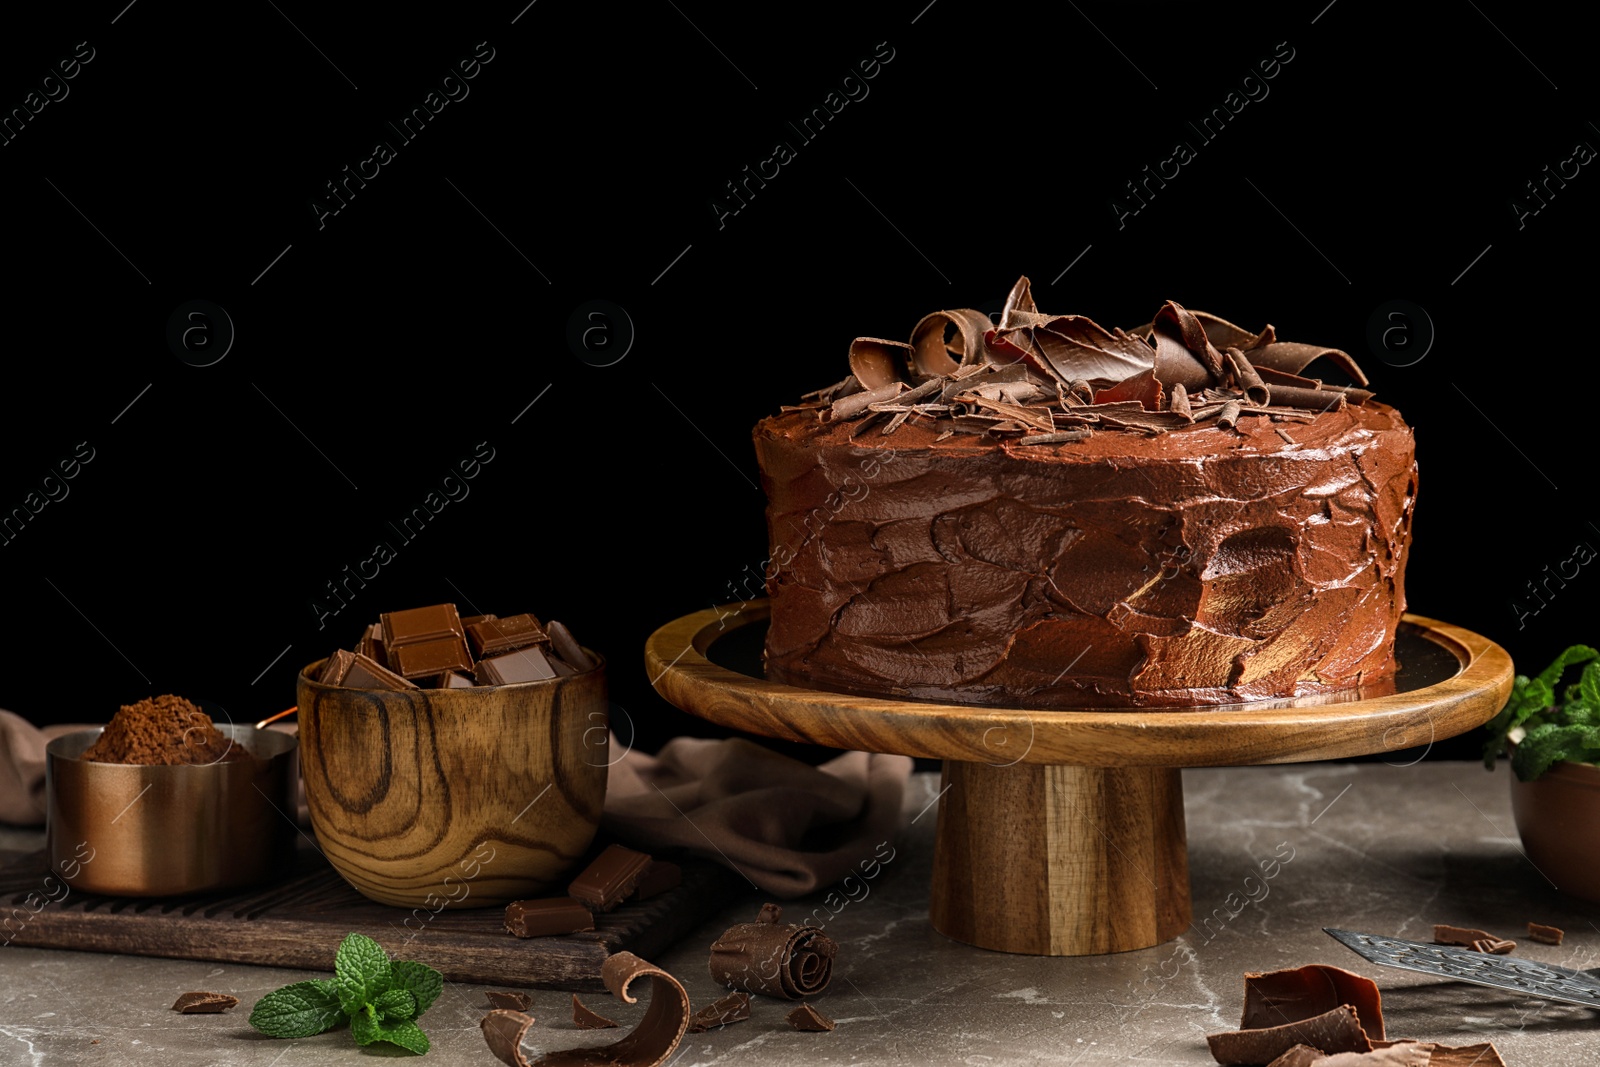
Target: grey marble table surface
point(1368, 847)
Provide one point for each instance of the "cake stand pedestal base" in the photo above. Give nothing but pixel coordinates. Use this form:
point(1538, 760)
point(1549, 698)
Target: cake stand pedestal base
point(1060, 860)
point(1075, 846)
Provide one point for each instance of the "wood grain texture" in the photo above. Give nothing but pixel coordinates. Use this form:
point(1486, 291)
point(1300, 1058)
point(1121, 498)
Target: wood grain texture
point(299, 922)
point(1060, 861)
point(1239, 735)
point(409, 791)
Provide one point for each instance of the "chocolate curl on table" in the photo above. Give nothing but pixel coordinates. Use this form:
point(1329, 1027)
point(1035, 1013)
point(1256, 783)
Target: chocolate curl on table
point(586, 1018)
point(1333, 1031)
point(1290, 996)
point(648, 1044)
point(933, 354)
point(774, 959)
point(876, 362)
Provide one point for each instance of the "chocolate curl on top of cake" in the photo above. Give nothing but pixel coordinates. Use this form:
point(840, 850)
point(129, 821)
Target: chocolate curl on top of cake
point(1049, 379)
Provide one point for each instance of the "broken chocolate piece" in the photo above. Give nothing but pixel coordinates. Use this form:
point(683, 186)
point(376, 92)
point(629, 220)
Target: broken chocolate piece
point(204, 1003)
point(1333, 1031)
point(523, 665)
point(648, 1044)
point(371, 644)
point(456, 680)
point(543, 918)
point(510, 1001)
point(567, 648)
point(424, 659)
point(609, 880)
point(809, 1019)
point(1545, 935)
point(659, 877)
point(1459, 935)
point(503, 635)
point(733, 1008)
point(1398, 1054)
point(1290, 996)
point(1299, 1056)
point(587, 1019)
point(351, 670)
point(1483, 1054)
point(774, 959)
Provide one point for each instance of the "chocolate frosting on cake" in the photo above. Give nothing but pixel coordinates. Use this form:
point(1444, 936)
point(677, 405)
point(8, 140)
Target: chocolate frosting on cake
point(1073, 554)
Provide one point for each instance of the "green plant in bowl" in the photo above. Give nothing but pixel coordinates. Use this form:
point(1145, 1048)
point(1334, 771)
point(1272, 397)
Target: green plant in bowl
point(1543, 730)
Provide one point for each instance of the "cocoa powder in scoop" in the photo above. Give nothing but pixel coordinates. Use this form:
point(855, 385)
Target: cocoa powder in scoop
point(163, 730)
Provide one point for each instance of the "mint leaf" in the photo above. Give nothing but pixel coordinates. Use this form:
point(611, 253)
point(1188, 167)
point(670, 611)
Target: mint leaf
point(364, 1027)
point(1576, 654)
point(299, 1010)
point(1546, 744)
point(361, 972)
point(421, 981)
point(1589, 684)
point(396, 1005)
point(407, 1035)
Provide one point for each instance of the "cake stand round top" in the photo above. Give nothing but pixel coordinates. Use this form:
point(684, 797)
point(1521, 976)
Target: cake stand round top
point(1464, 682)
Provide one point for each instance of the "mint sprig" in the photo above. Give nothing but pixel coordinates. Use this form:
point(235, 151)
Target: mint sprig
point(1568, 730)
point(380, 998)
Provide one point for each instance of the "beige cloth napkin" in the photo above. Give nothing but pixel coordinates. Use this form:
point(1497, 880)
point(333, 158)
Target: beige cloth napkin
point(788, 827)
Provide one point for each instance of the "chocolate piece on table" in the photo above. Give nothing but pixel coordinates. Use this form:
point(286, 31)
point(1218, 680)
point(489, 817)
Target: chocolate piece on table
point(1299, 1056)
point(1333, 1031)
point(733, 1008)
point(1288, 996)
point(351, 670)
point(567, 647)
point(1483, 1054)
point(659, 877)
point(586, 1018)
point(204, 1003)
point(456, 680)
point(422, 659)
point(503, 635)
point(1459, 935)
point(1545, 935)
point(510, 1001)
point(504, 1031)
point(775, 959)
point(610, 879)
point(421, 624)
point(544, 918)
point(523, 665)
point(1494, 946)
point(807, 1018)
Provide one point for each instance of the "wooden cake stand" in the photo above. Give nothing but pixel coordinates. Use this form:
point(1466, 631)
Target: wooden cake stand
point(1061, 832)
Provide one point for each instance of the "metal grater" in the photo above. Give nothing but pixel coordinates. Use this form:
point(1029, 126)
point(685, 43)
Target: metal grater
point(1480, 968)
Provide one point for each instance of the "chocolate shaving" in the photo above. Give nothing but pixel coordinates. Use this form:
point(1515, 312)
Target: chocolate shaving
point(873, 361)
point(1035, 419)
point(1178, 401)
point(1294, 357)
point(1076, 347)
point(896, 422)
point(1246, 378)
point(932, 354)
point(1228, 417)
point(204, 1003)
point(809, 1019)
point(1285, 435)
point(774, 959)
point(1056, 438)
point(1464, 936)
point(733, 1008)
point(1338, 1030)
point(850, 406)
point(509, 1001)
point(1315, 399)
point(1294, 995)
point(1494, 946)
point(1545, 935)
point(648, 1044)
point(1143, 387)
point(588, 1019)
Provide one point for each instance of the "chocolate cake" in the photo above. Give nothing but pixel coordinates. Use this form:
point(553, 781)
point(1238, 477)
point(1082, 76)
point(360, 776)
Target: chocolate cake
point(1044, 513)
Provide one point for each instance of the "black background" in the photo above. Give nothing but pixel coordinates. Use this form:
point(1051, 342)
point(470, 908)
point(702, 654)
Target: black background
point(382, 346)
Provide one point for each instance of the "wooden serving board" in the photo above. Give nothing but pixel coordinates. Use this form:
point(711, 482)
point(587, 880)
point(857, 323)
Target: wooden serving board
point(299, 922)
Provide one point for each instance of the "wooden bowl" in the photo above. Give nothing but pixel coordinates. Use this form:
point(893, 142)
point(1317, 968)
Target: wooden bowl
point(455, 798)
